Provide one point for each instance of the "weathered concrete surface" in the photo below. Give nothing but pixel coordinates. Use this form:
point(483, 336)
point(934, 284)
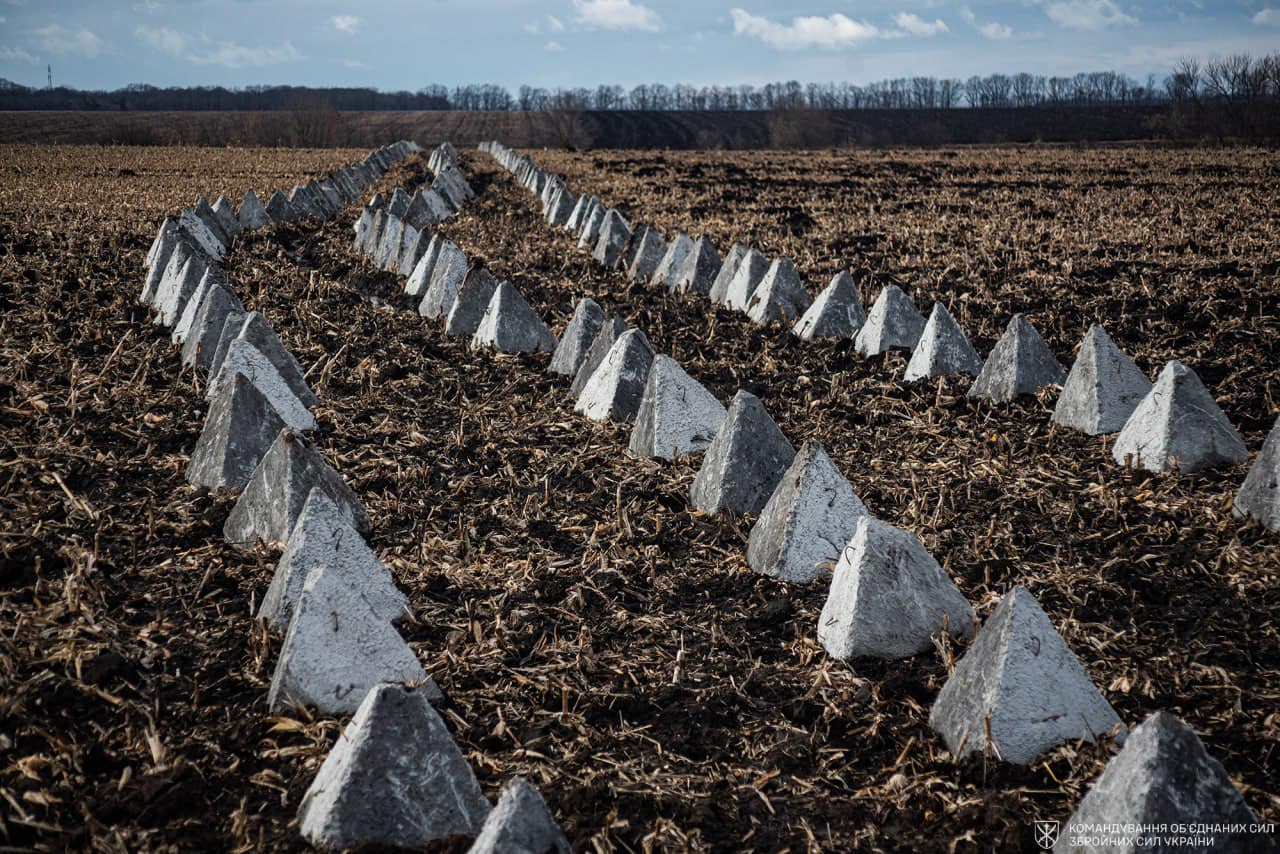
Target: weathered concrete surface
point(1020, 363)
point(510, 325)
point(279, 209)
point(414, 251)
point(404, 256)
point(780, 296)
point(728, 269)
point(613, 392)
point(521, 823)
point(889, 597)
point(158, 261)
point(836, 313)
point(677, 415)
point(226, 214)
point(471, 303)
point(1021, 684)
point(1103, 388)
point(561, 207)
point(591, 226)
point(230, 330)
point(1178, 425)
point(394, 779)
point(648, 254)
point(259, 333)
point(1259, 495)
point(446, 280)
point(610, 331)
point(1161, 778)
point(575, 341)
point(206, 328)
point(893, 323)
point(323, 536)
point(373, 235)
point(238, 430)
point(667, 273)
point(698, 272)
point(744, 462)
point(746, 278)
point(211, 279)
point(420, 279)
point(615, 233)
point(809, 518)
point(581, 209)
point(167, 227)
point(272, 500)
point(174, 292)
point(399, 204)
point(387, 255)
point(251, 213)
point(943, 349)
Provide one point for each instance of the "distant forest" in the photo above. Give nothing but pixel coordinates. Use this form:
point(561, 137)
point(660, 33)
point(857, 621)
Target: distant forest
point(1238, 79)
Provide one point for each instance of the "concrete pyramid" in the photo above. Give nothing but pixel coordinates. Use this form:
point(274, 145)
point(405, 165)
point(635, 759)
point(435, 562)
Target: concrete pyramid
point(744, 462)
point(698, 272)
point(746, 278)
point(322, 536)
point(575, 341)
point(646, 254)
point(387, 255)
point(615, 233)
point(230, 329)
point(1259, 495)
point(836, 313)
point(561, 207)
point(251, 213)
point(244, 359)
point(446, 279)
point(408, 237)
point(613, 392)
point(399, 204)
point(211, 279)
point(414, 251)
point(226, 214)
point(181, 252)
point(174, 293)
point(943, 349)
point(303, 205)
point(580, 210)
point(808, 520)
point(279, 209)
point(1103, 388)
point(167, 228)
point(420, 279)
point(211, 239)
point(893, 323)
point(610, 331)
point(1164, 777)
point(272, 499)
point(667, 273)
point(780, 296)
point(1020, 363)
point(338, 648)
point(889, 597)
point(239, 428)
point(395, 779)
point(521, 822)
point(167, 243)
point(471, 302)
point(377, 203)
point(259, 333)
point(373, 234)
point(677, 414)
point(201, 343)
point(1020, 684)
point(1178, 424)
point(510, 325)
point(728, 269)
point(592, 225)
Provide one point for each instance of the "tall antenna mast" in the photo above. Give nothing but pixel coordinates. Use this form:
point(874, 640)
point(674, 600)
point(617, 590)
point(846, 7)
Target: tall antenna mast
point(50, 69)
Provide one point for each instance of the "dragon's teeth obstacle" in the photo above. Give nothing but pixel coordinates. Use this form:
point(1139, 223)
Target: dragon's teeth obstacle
point(520, 822)
point(575, 341)
point(677, 414)
point(610, 331)
point(780, 296)
point(892, 324)
point(836, 313)
point(238, 430)
point(1103, 388)
point(744, 462)
point(943, 349)
point(510, 325)
point(1259, 495)
point(614, 390)
point(1020, 363)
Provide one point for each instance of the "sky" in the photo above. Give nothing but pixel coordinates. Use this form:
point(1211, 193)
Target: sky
point(408, 44)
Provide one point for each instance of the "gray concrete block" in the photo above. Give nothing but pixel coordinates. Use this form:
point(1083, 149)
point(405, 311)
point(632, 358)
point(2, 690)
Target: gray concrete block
point(575, 341)
point(615, 233)
point(471, 303)
point(414, 250)
point(580, 210)
point(943, 348)
point(238, 430)
point(698, 272)
point(836, 313)
point(744, 462)
point(668, 270)
point(399, 204)
point(677, 415)
point(175, 292)
point(251, 213)
point(892, 323)
point(610, 331)
point(168, 243)
point(446, 279)
point(728, 269)
point(746, 278)
point(1103, 388)
point(648, 253)
point(201, 344)
point(591, 226)
point(613, 392)
point(1259, 495)
point(248, 361)
point(187, 312)
point(168, 227)
point(510, 325)
point(1020, 363)
point(279, 209)
point(259, 333)
point(226, 214)
point(521, 823)
point(387, 255)
point(780, 296)
point(420, 279)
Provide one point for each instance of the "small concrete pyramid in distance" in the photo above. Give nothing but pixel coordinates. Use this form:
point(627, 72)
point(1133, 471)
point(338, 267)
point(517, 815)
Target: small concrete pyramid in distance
point(610, 331)
point(1164, 777)
point(337, 648)
point(614, 236)
point(227, 216)
point(1021, 683)
point(700, 267)
point(561, 207)
point(238, 431)
point(748, 276)
point(836, 313)
point(592, 226)
point(614, 390)
point(889, 597)
point(272, 500)
point(521, 823)
point(399, 204)
point(446, 279)
point(575, 341)
point(1259, 495)
point(420, 279)
point(677, 414)
point(667, 273)
point(728, 268)
point(647, 255)
point(206, 328)
point(638, 231)
point(943, 348)
point(808, 520)
point(414, 251)
point(1178, 424)
point(893, 323)
point(1020, 363)
point(179, 253)
point(580, 209)
point(251, 213)
point(510, 325)
point(780, 296)
point(471, 303)
point(744, 462)
point(279, 209)
point(1103, 388)
point(395, 778)
point(322, 536)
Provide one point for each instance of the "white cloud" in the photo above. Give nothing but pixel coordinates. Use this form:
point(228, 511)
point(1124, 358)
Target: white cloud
point(60, 40)
point(15, 54)
point(532, 28)
point(1088, 15)
point(917, 26)
point(615, 15)
point(992, 29)
point(232, 55)
point(1267, 18)
point(555, 23)
point(346, 23)
point(554, 47)
point(163, 39)
point(833, 31)
point(353, 63)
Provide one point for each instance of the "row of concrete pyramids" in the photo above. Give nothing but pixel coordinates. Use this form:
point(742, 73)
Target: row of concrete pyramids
point(335, 602)
point(1174, 425)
